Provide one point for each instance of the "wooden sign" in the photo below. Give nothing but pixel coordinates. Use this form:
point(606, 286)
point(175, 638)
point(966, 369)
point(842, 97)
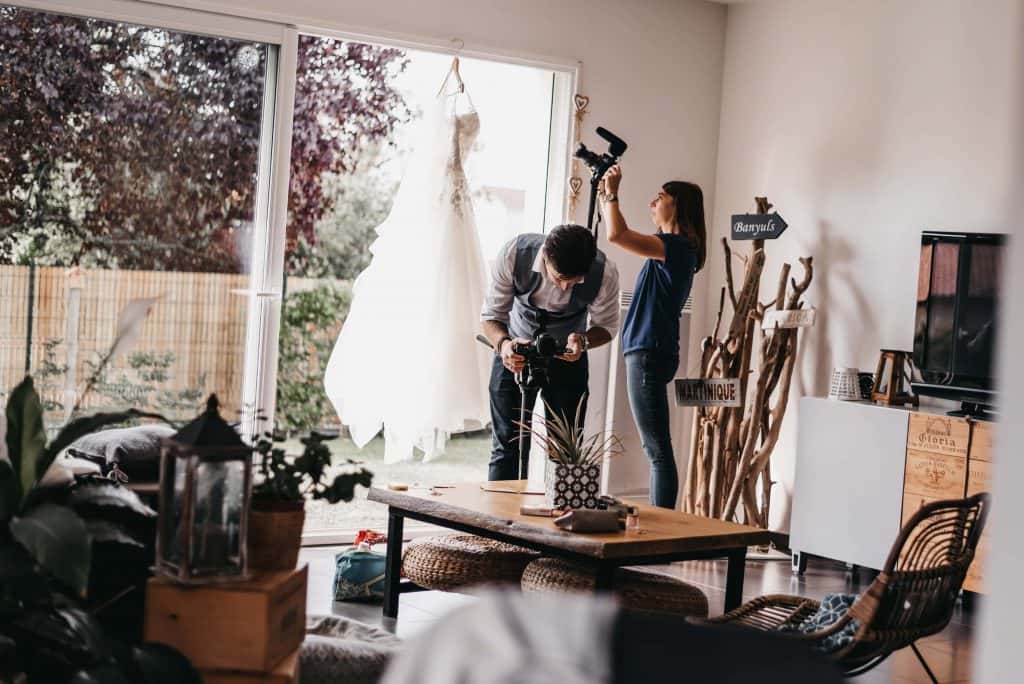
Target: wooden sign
point(707, 392)
point(789, 318)
point(757, 226)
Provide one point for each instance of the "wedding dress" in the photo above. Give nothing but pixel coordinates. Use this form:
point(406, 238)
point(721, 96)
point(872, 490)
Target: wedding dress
point(406, 360)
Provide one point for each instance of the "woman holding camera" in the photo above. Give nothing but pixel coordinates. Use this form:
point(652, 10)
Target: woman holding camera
point(650, 332)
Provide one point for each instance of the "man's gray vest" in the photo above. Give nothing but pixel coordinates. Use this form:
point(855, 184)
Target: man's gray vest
point(526, 320)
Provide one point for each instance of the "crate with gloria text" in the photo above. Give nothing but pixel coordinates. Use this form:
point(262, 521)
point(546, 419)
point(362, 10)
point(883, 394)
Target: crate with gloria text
point(250, 626)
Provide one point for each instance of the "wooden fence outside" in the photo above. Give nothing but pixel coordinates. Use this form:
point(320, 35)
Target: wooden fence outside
point(200, 320)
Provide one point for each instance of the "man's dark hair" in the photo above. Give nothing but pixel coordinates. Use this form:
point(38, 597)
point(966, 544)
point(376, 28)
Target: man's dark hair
point(571, 249)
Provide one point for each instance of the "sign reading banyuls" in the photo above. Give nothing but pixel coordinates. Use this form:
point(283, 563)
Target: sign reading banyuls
point(757, 226)
point(707, 392)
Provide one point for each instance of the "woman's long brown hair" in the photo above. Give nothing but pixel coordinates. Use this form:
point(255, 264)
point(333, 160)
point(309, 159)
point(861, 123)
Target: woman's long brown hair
point(690, 215)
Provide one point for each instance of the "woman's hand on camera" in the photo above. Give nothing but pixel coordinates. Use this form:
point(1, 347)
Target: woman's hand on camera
point(573, 348)
point(612, 178)
point(514, 362)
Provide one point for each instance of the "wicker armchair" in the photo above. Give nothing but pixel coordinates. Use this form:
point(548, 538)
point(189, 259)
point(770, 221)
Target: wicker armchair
point(913, 597)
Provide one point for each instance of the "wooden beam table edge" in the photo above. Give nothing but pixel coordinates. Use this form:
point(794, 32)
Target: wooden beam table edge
point(439, 512)
point(493, 519)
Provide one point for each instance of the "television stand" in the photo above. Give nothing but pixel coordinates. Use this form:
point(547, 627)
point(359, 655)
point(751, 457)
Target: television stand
point(969, 409)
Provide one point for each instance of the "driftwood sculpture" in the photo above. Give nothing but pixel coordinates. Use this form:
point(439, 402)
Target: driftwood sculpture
point(731, 448)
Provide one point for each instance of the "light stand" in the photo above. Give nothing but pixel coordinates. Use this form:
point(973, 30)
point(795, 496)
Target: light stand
point(595, 182)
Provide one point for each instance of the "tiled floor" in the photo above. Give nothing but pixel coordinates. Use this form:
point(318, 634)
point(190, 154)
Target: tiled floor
point(948, 653)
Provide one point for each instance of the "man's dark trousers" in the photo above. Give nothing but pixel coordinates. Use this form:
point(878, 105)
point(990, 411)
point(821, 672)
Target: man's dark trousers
point(567, 382)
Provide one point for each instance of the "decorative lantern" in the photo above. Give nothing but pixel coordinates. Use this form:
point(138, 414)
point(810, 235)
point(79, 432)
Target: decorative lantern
point(894, 366)
point(205, 485)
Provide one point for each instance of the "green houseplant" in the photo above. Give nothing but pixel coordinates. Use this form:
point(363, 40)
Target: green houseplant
point(282, 485)
point(572, 472)
point(54, 534)
point(74, 552)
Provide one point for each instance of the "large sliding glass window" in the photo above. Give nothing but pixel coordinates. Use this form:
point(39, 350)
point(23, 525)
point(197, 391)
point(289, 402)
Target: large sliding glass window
point(148, 151)
point(357, 114)
point(130, 161)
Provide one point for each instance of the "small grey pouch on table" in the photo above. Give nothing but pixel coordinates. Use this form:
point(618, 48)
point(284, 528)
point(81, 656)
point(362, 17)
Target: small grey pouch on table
point(586, 520)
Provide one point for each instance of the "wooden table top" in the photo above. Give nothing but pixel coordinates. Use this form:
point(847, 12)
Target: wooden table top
point(662, 531)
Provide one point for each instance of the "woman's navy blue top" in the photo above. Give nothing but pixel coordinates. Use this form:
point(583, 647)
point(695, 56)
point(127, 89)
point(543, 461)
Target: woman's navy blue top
point(652, 322)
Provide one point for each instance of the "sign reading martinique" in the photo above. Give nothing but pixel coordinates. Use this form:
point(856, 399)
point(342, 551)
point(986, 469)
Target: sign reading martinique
point(757, 226)
point(708, 392)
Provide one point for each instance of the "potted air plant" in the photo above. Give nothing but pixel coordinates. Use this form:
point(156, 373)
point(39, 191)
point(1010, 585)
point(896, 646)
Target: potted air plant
point(572, 470)
point(282, 483)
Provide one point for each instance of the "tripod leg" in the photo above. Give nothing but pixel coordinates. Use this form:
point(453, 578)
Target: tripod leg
point(523, 467)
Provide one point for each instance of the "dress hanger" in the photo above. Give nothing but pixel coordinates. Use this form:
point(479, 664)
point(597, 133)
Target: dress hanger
point(454, 70)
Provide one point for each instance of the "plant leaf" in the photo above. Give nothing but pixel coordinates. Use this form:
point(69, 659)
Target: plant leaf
point(26, 436)
point(21, 584)
point(10, 492)
point(106, 532)
point(100, 493)
point(59, 542)
point(68, 638)
point(129, 324)
point(161, 664)
point(344, 486)
point(108, 674)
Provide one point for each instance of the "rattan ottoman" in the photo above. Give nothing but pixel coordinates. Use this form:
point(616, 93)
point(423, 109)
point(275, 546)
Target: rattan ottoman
point(450, 562)
point(635, 589)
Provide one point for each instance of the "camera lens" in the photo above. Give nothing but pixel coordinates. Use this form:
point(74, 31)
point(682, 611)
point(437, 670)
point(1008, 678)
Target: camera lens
point(589, 158)
point(546, 345)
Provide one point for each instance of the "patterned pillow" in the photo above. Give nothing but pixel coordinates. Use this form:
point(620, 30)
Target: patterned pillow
point(135, 450)
point(833, 607)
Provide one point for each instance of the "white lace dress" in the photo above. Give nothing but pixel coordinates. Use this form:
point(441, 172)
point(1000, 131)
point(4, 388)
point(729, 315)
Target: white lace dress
point(406, 360)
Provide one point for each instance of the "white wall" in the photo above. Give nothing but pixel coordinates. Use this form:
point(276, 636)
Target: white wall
point(652, 70)
point(864, 123)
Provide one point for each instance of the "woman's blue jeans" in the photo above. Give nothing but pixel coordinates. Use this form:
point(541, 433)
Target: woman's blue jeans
point(647, 374)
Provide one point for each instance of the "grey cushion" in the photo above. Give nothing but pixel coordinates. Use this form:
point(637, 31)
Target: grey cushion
point(135, 450)
point(337, 649)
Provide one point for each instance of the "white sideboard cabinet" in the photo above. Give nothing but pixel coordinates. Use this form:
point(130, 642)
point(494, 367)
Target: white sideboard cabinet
point(862, 470)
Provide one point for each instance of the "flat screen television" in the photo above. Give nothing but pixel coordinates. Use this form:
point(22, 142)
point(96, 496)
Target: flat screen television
point(958, 318)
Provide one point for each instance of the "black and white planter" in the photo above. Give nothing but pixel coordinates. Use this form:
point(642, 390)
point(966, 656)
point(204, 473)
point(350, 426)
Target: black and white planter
point(571, 486)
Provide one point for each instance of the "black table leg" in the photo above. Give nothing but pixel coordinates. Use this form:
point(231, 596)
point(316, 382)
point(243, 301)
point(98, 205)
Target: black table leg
point(604, 577)
point(393, 567)
point(799, 563)
point(734, 578)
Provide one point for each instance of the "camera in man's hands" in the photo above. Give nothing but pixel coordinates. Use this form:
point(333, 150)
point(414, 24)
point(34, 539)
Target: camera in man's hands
point(599, 163)
point(538, 354)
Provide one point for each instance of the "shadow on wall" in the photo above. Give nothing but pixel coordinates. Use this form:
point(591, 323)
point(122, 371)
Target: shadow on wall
point(844, 313)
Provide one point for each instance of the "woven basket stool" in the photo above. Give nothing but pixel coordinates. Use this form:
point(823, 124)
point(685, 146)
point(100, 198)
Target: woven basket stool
point(449, 562)
point(633, 588)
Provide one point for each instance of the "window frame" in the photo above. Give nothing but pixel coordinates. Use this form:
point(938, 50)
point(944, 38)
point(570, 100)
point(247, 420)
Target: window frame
point(271, 212)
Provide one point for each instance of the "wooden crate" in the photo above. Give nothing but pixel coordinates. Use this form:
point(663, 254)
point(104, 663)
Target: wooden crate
point(250, 626)
point(934, 475)
point(979, 479)
point(981, 441)
point(938, 434)
point(975, 580)
point(912, 503)
point(285, 673)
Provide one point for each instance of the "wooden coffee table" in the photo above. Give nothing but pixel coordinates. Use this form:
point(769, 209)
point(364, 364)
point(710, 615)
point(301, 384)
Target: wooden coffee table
point(664, 536)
